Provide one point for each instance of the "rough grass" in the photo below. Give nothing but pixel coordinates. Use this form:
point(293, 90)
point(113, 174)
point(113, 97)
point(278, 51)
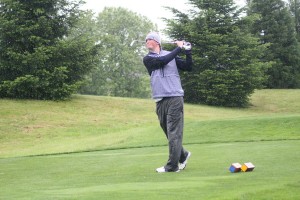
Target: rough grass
point(88, 123)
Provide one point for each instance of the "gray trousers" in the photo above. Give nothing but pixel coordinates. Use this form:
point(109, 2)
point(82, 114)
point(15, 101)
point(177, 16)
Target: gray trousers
point(170, 114)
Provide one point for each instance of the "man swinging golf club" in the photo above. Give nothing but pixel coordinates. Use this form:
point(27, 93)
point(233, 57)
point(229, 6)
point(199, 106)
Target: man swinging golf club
point(168, 94)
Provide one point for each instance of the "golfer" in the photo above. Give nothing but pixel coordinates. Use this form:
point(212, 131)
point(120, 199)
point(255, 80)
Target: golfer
point(168, 94)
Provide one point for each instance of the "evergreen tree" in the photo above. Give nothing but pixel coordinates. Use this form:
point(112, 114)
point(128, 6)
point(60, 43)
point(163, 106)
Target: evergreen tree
point(227, 65)
point(279, 30)
point(37, 59)
point(295, 10)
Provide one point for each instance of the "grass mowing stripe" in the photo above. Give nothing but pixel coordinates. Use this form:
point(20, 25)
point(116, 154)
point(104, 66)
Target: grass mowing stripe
point(152, 146)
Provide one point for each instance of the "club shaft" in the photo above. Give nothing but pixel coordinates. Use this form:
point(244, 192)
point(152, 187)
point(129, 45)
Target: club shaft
point(139, 41)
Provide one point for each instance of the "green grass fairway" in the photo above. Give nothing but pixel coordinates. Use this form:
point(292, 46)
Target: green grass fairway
point(129, 174)
point(108, 148)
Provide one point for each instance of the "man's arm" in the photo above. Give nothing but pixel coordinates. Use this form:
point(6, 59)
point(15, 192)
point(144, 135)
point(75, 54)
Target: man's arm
point(185, 65)
point(154, 63)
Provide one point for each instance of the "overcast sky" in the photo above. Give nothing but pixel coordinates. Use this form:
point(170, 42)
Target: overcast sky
point(154, 9)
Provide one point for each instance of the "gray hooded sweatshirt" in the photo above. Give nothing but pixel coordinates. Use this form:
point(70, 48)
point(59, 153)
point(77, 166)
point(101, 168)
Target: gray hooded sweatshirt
point(163, 69)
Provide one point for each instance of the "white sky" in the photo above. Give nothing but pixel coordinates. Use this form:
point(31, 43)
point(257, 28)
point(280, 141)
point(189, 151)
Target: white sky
point(151, 9)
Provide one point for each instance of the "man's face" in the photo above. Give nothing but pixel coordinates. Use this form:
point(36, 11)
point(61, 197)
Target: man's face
point(151, 45)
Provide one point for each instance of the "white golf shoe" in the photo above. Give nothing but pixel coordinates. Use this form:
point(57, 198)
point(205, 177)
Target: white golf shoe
point(163, 170)
point(183, 165)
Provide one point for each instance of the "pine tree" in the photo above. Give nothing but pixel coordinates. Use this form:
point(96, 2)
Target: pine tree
point(227, 65)
point(37, 60)
point(279, 31)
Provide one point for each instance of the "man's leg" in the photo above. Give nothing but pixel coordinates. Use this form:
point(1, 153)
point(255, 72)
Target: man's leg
point(175, 131)
point(170, 115)
point(161, 111)
point(183, 155)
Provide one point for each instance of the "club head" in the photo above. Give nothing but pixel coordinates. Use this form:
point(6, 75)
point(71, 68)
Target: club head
point(136, 41)
point(132, 43)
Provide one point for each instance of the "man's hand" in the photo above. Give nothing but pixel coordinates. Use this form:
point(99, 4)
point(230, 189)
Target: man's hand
point(187, 46)
point(179, 43)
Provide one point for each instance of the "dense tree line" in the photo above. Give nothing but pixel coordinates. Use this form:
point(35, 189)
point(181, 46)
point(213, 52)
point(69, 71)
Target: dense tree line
point(279, 29)
point(50, 49)
point(237, 50)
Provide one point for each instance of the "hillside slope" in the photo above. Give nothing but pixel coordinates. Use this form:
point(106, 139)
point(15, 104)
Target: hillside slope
point(89, 123)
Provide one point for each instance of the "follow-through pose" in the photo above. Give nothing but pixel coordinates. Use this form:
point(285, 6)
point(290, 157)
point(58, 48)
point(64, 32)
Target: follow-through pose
point(168, 94)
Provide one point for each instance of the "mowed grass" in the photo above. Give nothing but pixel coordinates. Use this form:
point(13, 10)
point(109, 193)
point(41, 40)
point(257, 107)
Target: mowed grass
point(129, 174)
point(108, 148)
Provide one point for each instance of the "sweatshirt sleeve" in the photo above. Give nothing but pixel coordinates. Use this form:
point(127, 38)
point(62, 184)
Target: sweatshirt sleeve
point(185, 65)
point(153, 63)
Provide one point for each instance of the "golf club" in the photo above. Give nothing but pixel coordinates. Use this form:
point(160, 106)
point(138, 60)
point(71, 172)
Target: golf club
point(140, 41)
point(186, 45)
